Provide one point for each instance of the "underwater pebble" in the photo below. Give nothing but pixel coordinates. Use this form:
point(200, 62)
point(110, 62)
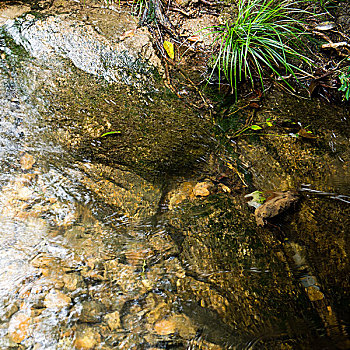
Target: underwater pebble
point(91, 311)
point(165, 327)
point(202, 189)
point(86, 338)
point(19, 327)
point(27, 161)
point(73, 281)
point(113, 320)
point(56, 300)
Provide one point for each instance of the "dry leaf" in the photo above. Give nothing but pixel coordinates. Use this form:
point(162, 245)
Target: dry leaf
point(334, 45)
point(127, 34)
point(194, 38)
point(274, 206)
point(169, 48)
point(306, 134)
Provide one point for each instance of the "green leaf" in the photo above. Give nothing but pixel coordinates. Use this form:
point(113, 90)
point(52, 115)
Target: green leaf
point(269, 124)
point(110, 133)
point(255, 127)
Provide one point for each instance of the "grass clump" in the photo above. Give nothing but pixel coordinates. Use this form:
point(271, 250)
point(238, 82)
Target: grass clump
point(266, 34)
point(344, 78)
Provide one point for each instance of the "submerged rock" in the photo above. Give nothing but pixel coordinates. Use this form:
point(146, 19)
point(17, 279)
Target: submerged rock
point(91, 311)
point(57, 300)
point(113, 320)
point(86, 337)
point(202, 189)
point(27, 161)
point(19, 327)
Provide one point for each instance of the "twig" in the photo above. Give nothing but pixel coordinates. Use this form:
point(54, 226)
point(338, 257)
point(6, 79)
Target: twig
point(214, 3)
point(176, 9)
point(184, 74)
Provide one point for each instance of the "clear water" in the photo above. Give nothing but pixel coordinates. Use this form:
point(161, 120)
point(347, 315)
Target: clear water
point(93, 255)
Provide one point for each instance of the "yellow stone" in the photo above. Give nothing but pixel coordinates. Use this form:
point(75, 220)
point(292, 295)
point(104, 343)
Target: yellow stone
point(113, 320)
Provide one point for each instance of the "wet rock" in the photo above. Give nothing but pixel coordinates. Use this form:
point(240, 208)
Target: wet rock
point(90, 311)
point(113, 320)
point(27, 161)
point(183, 192)
point(67, 36)
point(138, 257)
point(11, 12)
point(275, 206)
point(176, 323)
point(202, 189)
point(73, 281)
point(19, 327)
point(41, 261)
point(57, 300)
point(86, 337)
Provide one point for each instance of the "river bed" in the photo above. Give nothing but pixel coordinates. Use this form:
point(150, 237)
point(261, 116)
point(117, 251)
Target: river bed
point(123, 221)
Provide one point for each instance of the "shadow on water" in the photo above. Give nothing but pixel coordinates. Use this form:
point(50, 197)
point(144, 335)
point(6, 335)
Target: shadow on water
point(105, 246)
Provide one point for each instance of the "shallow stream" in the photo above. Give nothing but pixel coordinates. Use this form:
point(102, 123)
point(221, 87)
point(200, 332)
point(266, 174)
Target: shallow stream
point(106, 241)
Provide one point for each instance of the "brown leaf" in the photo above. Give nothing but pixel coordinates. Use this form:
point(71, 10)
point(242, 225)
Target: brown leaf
point(313, 86)
point(274, 206)
point(335, 45)
point(194, 38)
point(127, 34)
point(306, 134)
point(254, 105)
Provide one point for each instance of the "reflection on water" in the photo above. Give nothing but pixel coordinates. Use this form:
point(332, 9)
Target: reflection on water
point(103, 244)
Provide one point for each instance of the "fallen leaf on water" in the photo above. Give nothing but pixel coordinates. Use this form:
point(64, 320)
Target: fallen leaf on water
point(257, 199)
point(307, 134)
point(127, 34)
point(274, 206)
point(254, 105)
point(169, 48)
